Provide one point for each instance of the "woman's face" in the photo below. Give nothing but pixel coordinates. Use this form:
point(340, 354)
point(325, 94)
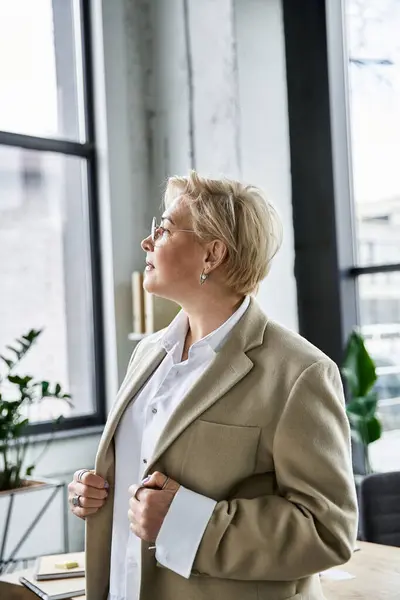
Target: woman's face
point(176, 259)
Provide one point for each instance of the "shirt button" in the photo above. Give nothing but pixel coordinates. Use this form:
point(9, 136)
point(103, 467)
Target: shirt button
point(145, 461)
point(154, 411)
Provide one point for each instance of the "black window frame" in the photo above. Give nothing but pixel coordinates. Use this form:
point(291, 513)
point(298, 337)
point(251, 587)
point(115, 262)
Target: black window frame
point(322, 196)
point(86, 151)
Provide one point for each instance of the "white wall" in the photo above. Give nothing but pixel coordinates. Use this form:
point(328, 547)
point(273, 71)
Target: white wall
point(232, 67)
point(264, 137)
point(216, 101)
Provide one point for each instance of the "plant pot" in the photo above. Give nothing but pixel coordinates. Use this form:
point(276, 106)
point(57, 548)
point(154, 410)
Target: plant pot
point(32, 520)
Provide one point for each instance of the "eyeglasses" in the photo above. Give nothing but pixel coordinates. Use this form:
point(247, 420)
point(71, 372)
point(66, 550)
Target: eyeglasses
point(157, 231)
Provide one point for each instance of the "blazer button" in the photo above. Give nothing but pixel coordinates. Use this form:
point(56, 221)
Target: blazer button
point(154, 411)
point(145, 461)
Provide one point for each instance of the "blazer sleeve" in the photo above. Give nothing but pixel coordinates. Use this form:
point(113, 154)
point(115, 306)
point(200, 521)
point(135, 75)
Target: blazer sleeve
point(311, 525)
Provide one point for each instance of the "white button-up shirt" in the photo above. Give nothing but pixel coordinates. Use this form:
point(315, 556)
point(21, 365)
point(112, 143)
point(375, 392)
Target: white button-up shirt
point(135, 440)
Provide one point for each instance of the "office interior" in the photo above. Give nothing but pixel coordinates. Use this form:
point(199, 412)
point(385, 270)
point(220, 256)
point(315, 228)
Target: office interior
point(101, 101)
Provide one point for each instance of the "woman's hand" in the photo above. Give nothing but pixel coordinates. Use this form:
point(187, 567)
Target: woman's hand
point(149, 505)
point(91, 490)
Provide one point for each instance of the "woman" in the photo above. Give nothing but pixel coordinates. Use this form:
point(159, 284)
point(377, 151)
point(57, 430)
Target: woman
point(237, 431)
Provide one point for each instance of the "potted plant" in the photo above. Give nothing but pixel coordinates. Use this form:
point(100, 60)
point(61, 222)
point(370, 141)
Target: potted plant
point(359, 373)
point(20, 509)
point(17, 394)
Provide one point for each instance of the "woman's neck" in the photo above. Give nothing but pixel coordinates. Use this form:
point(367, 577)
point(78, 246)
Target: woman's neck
point(207, 317)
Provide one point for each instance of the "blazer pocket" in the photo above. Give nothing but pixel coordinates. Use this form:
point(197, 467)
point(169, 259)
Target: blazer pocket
point(218, 457)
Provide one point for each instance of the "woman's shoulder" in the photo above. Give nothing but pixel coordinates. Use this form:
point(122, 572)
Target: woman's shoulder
point(291, 346)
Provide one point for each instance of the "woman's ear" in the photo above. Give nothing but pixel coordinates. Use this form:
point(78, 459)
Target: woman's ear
point(216, 254)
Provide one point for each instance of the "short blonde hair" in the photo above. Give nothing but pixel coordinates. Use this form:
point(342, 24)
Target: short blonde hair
point(237, 214)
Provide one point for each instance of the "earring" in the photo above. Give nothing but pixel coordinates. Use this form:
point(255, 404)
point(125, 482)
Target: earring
point(203, 277)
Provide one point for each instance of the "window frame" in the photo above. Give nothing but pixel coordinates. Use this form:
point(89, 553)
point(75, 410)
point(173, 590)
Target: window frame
point(322, 192)
point(86, 151)
point(324, 254)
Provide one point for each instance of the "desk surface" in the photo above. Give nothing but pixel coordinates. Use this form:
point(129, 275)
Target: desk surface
point(376, 569)
point(377, 575)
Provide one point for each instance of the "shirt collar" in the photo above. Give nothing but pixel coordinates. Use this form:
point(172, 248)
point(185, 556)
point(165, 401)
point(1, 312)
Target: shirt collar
point(175, 335)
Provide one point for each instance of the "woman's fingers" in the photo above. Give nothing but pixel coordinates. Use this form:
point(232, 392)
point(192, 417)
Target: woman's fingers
point(90, 479)
point(88, 506)
point(90, 502)
point(89, 492)
point(92, 492)
point(82, 513)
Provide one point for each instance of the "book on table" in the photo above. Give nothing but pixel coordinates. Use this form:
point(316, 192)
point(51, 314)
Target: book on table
point(55, 589)
point(60, 566)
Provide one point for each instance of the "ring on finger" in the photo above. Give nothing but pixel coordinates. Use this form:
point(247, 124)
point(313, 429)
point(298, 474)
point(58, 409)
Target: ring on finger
point(81, 473)
point(165, 483)
point(76, 501)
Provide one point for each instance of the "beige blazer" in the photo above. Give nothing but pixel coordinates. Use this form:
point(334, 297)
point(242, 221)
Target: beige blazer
point(264, 433)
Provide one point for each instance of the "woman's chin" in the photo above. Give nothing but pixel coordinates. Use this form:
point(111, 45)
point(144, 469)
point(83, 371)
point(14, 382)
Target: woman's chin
point(150, 283)
point(152, 286)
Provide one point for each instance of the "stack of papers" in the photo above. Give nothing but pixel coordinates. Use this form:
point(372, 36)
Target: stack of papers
point(57, 577)
point(60, 566)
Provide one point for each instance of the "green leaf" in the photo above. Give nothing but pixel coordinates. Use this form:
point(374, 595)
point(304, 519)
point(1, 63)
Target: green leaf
point(32, 335)
point(25, 345)
point(8, 362)
point(358, 367)
point(369, 430)
point(363, 407)
point(25, 342)
point(29, 470)
point(21, 381)
point(57, 390)
point(45, 387)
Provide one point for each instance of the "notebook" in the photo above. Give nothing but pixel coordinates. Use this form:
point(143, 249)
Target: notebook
point(57, 589)
point(45, 567)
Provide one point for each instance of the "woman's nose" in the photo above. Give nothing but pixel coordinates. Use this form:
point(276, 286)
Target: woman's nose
point(147, 244)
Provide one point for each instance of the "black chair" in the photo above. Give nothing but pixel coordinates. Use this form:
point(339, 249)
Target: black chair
point(380, 508)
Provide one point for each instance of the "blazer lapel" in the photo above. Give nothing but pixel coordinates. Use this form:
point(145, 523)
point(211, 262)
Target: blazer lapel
point(224, 372)
point(140, 371)
point(229, 366)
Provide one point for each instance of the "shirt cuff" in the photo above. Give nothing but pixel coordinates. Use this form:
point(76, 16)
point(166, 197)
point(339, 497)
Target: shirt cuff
point(182, 531)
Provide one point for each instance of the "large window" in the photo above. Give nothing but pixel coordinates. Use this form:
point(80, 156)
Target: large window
point(343, 81)
point(372, 31)
point(49, 258)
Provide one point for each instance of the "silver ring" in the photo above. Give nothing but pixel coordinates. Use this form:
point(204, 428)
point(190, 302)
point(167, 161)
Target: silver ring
point(165, 483)
point(76, 501)
point(80, 474)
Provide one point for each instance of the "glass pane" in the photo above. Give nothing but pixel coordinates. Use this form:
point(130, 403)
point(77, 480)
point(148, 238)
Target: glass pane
point(45, 272)
point(40, 68)
point(373, 28)
point(380, 320)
